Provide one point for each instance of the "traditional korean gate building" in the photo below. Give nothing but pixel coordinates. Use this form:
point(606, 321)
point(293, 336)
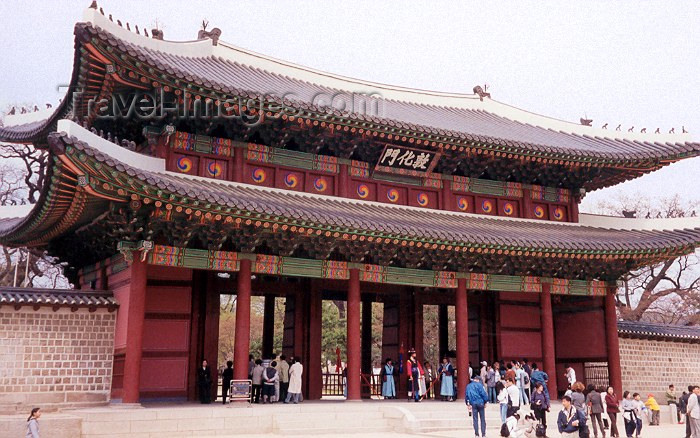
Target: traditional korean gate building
point(316, 186)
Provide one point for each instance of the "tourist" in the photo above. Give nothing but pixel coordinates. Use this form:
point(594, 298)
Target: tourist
point(447, 387)
point(613, 408)
point(251, 366)
point(570, 419)
point(655, 409)
point(629, 413)
point(283, 371)
point(295, 373)
point(257, 381)
point(33, 423)
point(526, 367)
point(491, 379)
point(429, 377)
point(672, 402)
point(577, 397)
point(570, 375)
point(500, 368)
point(510, 371)
point(270, 376)
point(475, 397)
point(693, 411)
point(483, 372)
point(226, 378)
point(522, 380)
point(683, 406)
point(540, 404)
point(502, 400)
point(387, 374)
point(415, 373)
point(513, 397)
point(204, 382)
point(594, 401)
point(638, 409)
point(539, 376)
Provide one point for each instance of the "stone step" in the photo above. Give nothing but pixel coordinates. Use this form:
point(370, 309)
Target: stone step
point(323, 423)
point(374, 431)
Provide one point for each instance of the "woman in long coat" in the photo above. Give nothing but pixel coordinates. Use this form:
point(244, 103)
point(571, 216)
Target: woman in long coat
point(294, 391)
point(387, 375)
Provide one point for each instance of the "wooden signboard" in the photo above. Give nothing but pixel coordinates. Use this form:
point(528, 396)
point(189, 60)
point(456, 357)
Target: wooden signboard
point(240, 390)
point(406, 161)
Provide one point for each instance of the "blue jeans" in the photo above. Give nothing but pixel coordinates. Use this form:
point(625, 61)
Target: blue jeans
point(478, 411)
point(504, 412)
point(492, 394)
point(523, 397)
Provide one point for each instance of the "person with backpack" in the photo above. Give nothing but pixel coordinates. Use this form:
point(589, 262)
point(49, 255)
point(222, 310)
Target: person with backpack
point(475, 397)
point(539, 376)
point(570, 420)
point(540, 404)
point(523, 380)
point(270, 377)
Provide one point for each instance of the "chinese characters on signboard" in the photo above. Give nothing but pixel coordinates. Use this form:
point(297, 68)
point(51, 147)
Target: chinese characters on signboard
point(406, 161)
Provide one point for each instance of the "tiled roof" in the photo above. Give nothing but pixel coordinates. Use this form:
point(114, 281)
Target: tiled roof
point(230, 76)
point(16, 296)
point(400, 221)
point(647, 329)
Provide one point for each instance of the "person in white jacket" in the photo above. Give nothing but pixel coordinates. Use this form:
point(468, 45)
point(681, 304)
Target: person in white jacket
point(693, 416)
point(295, 373)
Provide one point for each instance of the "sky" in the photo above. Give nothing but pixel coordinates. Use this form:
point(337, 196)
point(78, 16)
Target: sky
point(635, 63)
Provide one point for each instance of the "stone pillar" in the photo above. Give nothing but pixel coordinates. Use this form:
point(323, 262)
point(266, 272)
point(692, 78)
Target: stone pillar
point(241, 348)
point(613, 343)
point(548, 356)
point(443, 330)
point(268, 326)
point(462, 323)
point(353, 327)
point(366, 345)
point(136, 312)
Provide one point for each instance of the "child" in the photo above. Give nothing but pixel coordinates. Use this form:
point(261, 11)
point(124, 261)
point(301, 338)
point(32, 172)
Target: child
point(653, 406)
point(639, 407)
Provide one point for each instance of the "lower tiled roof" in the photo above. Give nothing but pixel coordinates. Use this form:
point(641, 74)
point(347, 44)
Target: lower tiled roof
point(16, 296)
point(648, 329)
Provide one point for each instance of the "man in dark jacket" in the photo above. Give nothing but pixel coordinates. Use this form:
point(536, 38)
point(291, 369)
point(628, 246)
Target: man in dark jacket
point(475, 396)
point(204, 382)
point(570, 419)
point(227, 377)
point(683, 406)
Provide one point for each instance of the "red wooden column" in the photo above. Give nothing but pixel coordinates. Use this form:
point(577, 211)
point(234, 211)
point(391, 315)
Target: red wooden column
point(268, 326)
point(136, 312)
point(312, 367)
point(354, 342)
point(547, 321)
point(613, 343)
point(343, 181)
point(462, 323)
point(241, 347)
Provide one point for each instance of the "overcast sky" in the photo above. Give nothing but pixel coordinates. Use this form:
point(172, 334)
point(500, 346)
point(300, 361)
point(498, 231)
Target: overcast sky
point(630, 62)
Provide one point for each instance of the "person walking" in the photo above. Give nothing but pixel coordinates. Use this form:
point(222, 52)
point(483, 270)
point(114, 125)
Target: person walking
point(388, 381)
point(672, 402)
point(613, 408)
point(655, 409)
point(226, 378)
point(204, 382)
point(33, 423)
point(513, 397)
point(629, 413)
point(577, 397)
point(594, 401)
point(283, 371)
point(475, 397)
point(295, 373)
point(570, 375)
point(540, 404)
point(693, 416)
point(638, 408)
point(447, 387)
point(570, 419)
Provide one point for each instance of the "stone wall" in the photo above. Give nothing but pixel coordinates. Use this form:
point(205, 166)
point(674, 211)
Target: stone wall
point(55, 359)
point(650, 365)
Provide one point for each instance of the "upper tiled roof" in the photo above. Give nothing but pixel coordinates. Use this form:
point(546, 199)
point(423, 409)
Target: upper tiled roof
point(16, 296)
point(647, 329)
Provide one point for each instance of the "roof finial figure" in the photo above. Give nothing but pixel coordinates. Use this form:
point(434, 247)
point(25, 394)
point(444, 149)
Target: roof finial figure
point(672, 131)
point(213, 34)
point(127, 26)
point(586, 122)
point(643, 131)
point(658, 131)
point(605, 126)
point(36, 108)
point(93, 5)
point(631, 129)
point(619, 127)
point(136, 26)
point(102, 11)
point(157, 34)
point(629, 213)
point(119, 22)
point(12, 112)
point(110, 17)
point(684, 131)
point(145, 32)
point(481, 92)
point(23, 111)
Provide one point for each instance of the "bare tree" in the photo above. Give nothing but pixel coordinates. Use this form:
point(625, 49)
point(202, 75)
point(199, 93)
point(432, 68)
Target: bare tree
point(668, 291)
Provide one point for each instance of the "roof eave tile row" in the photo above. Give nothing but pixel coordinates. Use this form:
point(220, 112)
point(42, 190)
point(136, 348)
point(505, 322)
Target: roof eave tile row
point(15, 296)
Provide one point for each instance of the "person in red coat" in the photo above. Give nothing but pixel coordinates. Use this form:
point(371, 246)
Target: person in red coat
point(415, 373)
